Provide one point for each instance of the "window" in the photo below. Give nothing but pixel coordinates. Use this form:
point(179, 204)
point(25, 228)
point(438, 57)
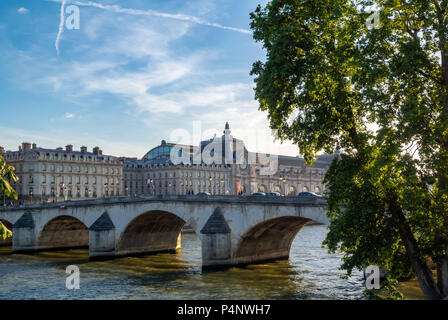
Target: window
point(44, 167)
point(52, 167)
point(292, 191)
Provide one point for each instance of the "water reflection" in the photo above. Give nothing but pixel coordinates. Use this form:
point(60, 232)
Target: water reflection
point(310, 273)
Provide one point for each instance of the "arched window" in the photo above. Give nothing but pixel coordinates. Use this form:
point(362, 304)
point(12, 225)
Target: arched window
point(317, 190)
point(305, 189)
point(261, 188)
point(292, 191)
point(278, 189)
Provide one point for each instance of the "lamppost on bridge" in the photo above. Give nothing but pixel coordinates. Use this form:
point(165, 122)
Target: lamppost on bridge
point(210, 179)
point(31, 195)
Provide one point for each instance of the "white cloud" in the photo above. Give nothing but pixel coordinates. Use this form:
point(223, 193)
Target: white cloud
point(69, 115)
point(23, 10)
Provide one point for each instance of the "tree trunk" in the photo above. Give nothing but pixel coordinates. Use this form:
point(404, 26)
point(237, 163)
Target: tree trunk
point(423, 273)
point(442, 277)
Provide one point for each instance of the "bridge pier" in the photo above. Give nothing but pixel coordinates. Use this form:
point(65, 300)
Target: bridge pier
point(216, 242)
point(24, 235)
point(102, 238)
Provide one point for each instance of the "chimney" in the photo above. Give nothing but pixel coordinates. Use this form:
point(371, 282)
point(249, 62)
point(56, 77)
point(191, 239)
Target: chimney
point(20, 148)
point(96, 151)
point(34, 146)
point(69, 148)
point(83, 149)
point(59, 148)
point(26, 146)
point(2, 150)
point(100, 152)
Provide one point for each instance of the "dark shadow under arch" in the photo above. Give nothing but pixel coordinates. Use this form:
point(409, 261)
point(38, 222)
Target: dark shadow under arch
point(7, 241)
point(269, 240)
point(151, 232)
point(63, 232)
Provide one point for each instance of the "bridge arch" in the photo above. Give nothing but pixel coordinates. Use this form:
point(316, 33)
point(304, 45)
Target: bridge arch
point(150, 232)
point(268, 240)
point(63, 232)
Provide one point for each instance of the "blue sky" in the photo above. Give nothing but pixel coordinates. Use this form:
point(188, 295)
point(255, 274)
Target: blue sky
point(136, 72)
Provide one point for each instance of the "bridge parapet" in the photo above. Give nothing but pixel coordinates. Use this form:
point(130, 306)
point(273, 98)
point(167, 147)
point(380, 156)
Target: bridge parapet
point(287, 200)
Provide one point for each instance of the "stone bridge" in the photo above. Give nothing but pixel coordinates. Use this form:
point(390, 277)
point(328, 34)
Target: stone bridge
point(233, 230)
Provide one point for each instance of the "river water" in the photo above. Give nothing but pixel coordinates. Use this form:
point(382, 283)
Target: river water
point(310, 273)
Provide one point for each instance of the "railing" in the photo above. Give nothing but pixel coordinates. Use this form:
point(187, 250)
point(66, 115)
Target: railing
point(275, 200)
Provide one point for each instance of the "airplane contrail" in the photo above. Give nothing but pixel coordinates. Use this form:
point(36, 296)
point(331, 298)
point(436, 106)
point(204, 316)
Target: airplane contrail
point(61, 27)
point(138, 12)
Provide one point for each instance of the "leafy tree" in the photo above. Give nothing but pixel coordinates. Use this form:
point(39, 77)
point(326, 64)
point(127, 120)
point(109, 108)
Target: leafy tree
point(380, 97)
point(6, 175)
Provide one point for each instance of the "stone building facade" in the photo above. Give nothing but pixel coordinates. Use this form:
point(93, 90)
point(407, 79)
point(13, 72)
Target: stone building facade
point(220, 165)
point(57, 174)
point(155, 173)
